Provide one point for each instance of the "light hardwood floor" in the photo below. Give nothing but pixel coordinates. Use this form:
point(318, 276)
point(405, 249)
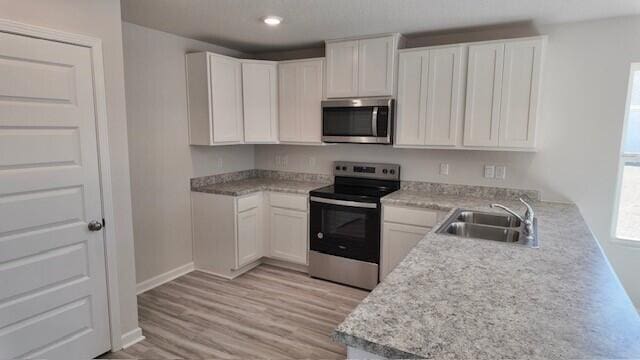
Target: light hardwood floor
point(267, 313)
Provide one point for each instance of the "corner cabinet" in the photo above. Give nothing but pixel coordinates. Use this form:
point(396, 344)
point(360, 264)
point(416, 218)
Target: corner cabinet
point(260, 101)
point(362, 67)
point(503, 81)
point(214, 91)
point(301, 89)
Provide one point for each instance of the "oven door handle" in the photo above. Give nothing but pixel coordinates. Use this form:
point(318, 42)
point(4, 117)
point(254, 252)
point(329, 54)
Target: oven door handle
point(344, 202)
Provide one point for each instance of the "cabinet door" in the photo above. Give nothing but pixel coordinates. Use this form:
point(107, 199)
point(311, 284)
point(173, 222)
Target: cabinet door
point(410, 119)
point(397, 241)
point(289, 235)
point(521, 78)
point(342, 69)
point(288, 100)
point(443, 113)
point(484, 86)
point(310, 88)
point(375, 66)
point(260, 102)
point(226, 99)
point(249, 245)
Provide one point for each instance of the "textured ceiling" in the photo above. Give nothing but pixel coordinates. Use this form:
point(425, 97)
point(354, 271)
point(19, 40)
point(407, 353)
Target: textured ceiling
point(237, 24)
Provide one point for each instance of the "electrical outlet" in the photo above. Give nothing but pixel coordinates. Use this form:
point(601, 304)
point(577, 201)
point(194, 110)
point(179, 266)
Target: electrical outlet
point(312, 162)
point(220, 163)
point(444, 169)
point(285, 160)
point(489, 171)
point(501, 172)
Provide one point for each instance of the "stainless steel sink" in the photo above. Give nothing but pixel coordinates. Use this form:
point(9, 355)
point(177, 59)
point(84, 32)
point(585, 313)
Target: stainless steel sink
point(483, 218)
point(470, 230)
point(486, 226)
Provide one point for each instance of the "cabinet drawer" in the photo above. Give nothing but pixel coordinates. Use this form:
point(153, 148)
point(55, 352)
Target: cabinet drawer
point(409, 216)
point(289, 201)
point(249, 202)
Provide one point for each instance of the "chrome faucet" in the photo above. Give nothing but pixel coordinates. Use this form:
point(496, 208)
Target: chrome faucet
point(528, 221)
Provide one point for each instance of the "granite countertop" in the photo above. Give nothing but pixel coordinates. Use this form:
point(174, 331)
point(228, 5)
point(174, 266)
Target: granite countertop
point(251, 185)
point(477, 299)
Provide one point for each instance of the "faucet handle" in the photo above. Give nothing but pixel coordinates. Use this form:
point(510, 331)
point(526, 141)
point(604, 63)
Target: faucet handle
point(529, 215)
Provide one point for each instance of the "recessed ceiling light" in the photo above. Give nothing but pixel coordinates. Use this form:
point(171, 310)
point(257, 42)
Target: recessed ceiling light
point(272, 20)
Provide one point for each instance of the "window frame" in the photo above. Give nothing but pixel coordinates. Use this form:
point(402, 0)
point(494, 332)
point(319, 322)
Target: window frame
point(623, 158)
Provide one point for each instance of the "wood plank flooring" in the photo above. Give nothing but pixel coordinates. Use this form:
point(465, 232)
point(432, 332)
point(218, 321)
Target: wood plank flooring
point(267, 313)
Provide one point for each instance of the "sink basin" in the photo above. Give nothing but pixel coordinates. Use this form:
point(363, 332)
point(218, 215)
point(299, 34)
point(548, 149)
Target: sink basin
point(488, 226)
point(470, 230)
point(475, 217)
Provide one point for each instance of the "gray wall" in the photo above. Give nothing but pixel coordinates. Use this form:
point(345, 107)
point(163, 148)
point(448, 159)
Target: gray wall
point(162, 162)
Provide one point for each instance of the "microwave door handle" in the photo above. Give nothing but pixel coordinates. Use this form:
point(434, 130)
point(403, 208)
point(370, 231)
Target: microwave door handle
point(374, 121)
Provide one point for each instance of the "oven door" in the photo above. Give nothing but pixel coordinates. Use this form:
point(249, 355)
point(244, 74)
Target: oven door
point(345, 228)
point(357, 121)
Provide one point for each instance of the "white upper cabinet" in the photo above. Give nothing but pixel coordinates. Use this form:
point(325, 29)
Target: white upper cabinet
point(300, 94)
point(342, 69)
point(429, 97)
point(502, 94)
point(376, 60)
point(484, 86)
point(260, 100)
point(215, 99)
point(362, 67)
point(520, 86)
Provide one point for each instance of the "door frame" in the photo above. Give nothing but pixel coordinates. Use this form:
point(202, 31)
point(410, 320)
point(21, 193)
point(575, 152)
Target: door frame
point(104, 162)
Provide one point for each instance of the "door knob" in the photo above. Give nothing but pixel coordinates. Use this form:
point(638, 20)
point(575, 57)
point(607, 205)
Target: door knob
point(95, 225)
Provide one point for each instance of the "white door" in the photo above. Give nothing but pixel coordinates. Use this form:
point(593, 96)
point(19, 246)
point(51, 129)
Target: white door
point(443, 113)
point(412, 74)
point(289, 234)
point(397, 241)
point(375, 67)
point(260, 102)
point(521, 78)
point(226, 99)
point(484, 85)
point(342, 69)
point(248, 236)
point(310, 99)
point(53, 300)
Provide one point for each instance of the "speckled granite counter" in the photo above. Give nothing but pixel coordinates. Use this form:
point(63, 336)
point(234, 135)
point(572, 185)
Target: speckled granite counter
point(478, 299)
point(251, 185)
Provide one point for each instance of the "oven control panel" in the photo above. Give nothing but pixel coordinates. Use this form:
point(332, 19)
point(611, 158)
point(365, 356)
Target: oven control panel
point(367, 170)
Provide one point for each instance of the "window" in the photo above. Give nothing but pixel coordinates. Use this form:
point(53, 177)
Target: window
point(627, 225)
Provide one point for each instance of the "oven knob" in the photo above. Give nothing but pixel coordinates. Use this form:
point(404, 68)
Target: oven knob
point(337, 167)
point(320, 235)
point(384, 171)
point(344, 168)
point(392, 171)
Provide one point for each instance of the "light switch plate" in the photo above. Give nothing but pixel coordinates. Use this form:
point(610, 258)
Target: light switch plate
point(444, 169)
point(501, 172)
point(489, 171)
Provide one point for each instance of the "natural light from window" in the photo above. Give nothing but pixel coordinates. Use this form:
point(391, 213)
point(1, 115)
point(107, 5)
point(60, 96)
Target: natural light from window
point(628, 225)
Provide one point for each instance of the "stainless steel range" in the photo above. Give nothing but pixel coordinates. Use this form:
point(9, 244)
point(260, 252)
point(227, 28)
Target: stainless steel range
point(345, 223)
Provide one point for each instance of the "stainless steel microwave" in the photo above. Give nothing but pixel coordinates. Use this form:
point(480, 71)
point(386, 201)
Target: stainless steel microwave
point(361, 121)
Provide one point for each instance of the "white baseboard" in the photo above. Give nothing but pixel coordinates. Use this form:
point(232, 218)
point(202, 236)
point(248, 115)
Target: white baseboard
point(132, 337)
point(163, 278)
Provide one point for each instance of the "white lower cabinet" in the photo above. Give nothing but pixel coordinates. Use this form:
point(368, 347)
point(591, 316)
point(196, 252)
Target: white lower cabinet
point(231, 233)
point(289, 227)
point(289, 235)
point(402, 229)
point(249, 237)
